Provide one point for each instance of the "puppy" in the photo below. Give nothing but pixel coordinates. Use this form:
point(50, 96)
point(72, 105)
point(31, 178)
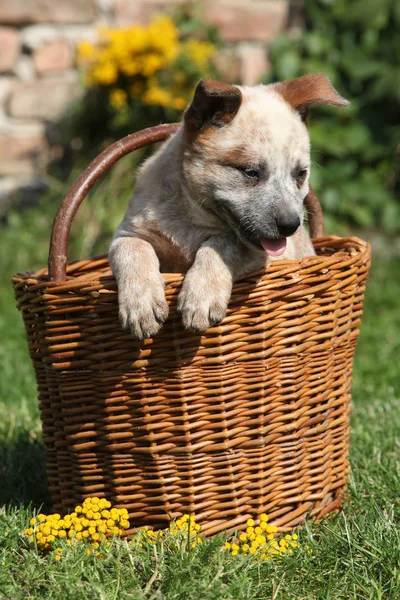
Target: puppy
point(221, 198)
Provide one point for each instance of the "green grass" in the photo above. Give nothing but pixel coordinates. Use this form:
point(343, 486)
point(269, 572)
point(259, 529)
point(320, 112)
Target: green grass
point(355, 554)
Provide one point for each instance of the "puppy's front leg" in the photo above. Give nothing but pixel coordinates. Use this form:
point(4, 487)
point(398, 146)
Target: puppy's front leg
point(207, 286)
point(142, 304)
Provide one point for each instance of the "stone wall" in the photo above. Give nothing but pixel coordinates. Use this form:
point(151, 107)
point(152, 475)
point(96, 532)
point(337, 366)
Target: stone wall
point(37, 72)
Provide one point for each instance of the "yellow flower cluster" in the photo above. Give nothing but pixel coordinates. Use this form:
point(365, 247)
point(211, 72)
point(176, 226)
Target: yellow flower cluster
point(144, 62)
point(179, 531)
point(95, 520)
point(92, 522)
point(260, 541)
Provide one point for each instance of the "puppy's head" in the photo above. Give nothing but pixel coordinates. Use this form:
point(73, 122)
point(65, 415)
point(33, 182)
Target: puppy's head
point(247, 154)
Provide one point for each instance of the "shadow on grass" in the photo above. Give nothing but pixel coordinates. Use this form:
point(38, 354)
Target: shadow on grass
point(23, 478)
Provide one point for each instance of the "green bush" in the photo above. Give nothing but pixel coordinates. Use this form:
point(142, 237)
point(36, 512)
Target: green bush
point(355, 151)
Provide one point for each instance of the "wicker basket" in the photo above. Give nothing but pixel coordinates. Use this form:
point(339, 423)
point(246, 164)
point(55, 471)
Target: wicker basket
point(251, 417)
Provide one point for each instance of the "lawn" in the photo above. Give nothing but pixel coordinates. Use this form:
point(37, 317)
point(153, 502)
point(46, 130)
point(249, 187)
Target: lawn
point(355, 554)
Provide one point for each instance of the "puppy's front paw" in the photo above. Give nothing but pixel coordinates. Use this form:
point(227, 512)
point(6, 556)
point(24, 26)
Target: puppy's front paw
point(143, 307)
point(202, 305)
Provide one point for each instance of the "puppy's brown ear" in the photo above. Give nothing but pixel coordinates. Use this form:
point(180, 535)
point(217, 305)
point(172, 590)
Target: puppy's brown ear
point(311, 89)
point(214, 103)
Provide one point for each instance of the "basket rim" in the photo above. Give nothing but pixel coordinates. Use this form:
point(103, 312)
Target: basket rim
point(334, 248)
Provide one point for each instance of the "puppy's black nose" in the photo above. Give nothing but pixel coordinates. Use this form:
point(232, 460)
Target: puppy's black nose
point(288, 225)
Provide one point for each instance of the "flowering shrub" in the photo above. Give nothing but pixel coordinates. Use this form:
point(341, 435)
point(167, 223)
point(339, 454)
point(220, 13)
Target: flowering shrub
point(153, 65)
point(95, 520)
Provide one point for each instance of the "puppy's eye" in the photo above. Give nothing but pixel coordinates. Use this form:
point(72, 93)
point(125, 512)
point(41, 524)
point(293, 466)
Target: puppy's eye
point(300, 175)
point(251, 173)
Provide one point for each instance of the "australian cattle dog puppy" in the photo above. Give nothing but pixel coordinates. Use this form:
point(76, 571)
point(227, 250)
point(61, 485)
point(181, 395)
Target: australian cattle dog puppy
point(221, 198)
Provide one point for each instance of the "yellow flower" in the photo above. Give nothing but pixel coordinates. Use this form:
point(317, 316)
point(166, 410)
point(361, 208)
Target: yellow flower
point(179, 103)
point(118, 98)
point(250, 522)
point(154, 62)
point(163, 36)
point(105, 73)
point(261, 539)
point(85, 51)
point(200, 53)
point(157, 96)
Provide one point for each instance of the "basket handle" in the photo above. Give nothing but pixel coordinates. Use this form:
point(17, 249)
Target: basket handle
point(97, 168)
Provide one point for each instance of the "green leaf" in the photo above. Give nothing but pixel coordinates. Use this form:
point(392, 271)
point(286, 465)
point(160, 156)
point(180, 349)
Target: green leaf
point(391, 217)
point(289, 65)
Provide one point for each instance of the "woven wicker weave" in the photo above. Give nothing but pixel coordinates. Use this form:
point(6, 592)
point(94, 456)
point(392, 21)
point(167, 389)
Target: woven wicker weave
point(251, 417)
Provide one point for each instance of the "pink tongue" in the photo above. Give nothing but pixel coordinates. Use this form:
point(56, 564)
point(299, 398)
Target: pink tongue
point(274, 247)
